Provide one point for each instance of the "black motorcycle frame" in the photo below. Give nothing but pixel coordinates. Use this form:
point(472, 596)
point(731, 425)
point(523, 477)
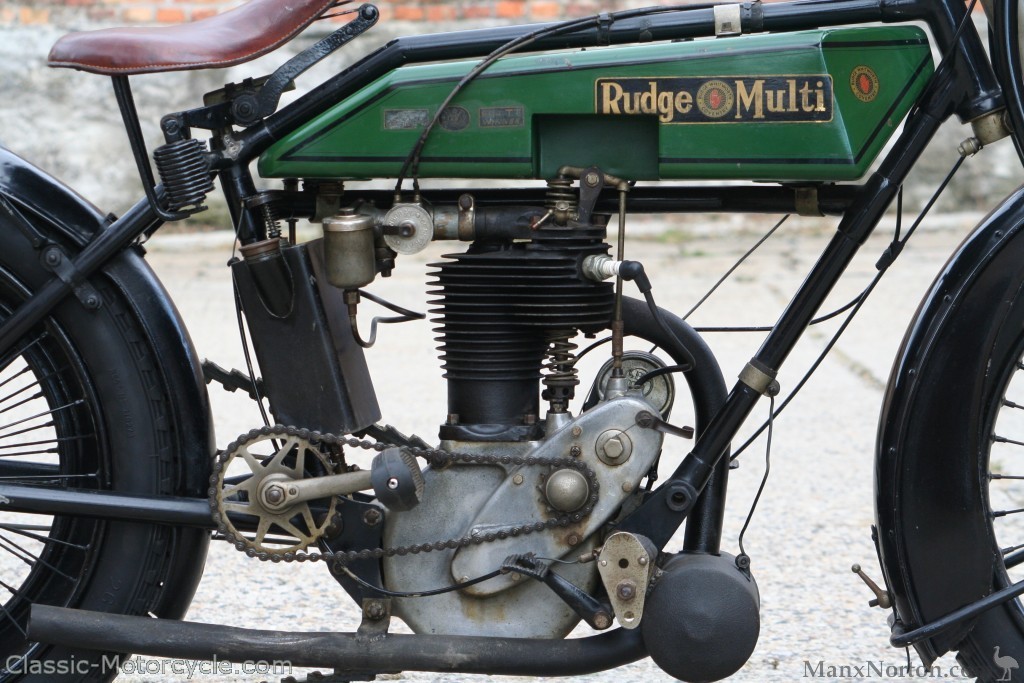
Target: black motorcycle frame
point(966, 84)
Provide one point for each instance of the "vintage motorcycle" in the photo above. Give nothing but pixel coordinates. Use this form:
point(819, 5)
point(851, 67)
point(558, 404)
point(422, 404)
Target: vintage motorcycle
point(532, 512)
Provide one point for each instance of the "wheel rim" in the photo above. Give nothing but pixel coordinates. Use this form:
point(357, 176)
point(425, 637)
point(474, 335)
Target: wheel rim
point(1003, 472)
point(48, 438)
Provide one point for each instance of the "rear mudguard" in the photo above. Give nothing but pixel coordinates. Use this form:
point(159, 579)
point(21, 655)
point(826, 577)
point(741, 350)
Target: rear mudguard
point(56, 210)
point(935, 548)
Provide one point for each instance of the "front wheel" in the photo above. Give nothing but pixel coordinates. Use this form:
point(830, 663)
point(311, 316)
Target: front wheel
point(82, 406)
point(950, 480)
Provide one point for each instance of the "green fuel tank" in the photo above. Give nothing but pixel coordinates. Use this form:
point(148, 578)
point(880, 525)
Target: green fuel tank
point(808, 106)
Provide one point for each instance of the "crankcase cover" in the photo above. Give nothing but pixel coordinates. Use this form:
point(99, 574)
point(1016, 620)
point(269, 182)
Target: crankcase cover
point(522, 496)
point(814, 105)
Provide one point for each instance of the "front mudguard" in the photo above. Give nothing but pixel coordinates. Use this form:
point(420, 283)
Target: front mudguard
point(58, 212)
point(935, 547)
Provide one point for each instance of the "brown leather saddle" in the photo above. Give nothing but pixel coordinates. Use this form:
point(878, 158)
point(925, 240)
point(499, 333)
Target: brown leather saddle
point(233, 37)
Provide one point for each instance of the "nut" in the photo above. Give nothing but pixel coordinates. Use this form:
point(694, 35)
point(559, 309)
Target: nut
point(374, 610)
point(626, 590)
point(372, 517)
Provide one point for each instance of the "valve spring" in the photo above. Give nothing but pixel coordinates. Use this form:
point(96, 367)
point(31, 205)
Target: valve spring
point(270, 220)
point(561, 377)
point(185, 173)
point(561, 199)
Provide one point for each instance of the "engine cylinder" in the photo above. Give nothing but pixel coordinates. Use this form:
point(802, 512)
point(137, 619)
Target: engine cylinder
point(497, 303)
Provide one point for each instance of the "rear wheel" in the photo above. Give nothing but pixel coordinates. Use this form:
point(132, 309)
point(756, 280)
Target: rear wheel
point(82, 406)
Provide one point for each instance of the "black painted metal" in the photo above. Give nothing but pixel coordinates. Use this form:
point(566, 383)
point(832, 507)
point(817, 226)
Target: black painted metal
point(345, 652)
point(833, 200)
point(314, 372)
point(1006, 60)
point(176, 511)
point(673, 500)
point(103, 247)
point(130, 118)
point(707, 386)
point(271, 91)
point(922, 511)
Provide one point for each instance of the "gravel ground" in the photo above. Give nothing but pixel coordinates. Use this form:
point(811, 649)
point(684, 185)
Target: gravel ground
point(813, 520)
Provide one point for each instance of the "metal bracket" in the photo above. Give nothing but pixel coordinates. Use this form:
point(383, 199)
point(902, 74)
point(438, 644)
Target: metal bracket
point(760, 378)
point(270, 93)
point(56, 261)
point(727, 20)
point(36, 238)
point(806, 201)
point(626, 565)
point(376, 618)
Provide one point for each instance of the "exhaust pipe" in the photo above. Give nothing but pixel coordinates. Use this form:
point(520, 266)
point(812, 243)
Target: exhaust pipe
point(341, 651)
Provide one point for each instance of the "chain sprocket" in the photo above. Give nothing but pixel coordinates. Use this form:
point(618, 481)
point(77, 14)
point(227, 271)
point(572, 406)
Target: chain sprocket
point(435, 457)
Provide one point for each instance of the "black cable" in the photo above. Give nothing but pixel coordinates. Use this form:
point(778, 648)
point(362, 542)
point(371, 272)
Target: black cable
point(769, 328)
point(412, 161)
point(883, 265)
point(404, 316)
point(420, 594)
point(248, 357)
point(736, 265)
point(764, 478)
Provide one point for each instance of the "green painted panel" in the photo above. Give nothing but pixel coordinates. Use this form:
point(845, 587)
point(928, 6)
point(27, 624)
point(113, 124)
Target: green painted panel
point(814, 105)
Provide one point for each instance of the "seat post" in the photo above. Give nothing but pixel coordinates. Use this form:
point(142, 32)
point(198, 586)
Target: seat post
point(130, 117)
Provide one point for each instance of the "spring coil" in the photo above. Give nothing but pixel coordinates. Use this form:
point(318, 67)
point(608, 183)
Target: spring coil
point(560, 374)
point(560, 191)
point(185, 173)
point(271, 222)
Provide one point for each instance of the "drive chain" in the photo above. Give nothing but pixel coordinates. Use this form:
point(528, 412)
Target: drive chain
point(435, 457)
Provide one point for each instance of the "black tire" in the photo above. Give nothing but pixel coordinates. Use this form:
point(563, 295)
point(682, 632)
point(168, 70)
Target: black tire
point(82, 405)
point(941, 512)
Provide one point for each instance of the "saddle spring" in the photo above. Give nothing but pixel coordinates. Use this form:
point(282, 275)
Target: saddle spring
point(185, 173)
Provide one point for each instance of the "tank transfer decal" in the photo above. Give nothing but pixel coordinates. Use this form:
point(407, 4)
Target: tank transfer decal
point(502, 117)
point(864, 83)
point(406, 119)
point(719, 99)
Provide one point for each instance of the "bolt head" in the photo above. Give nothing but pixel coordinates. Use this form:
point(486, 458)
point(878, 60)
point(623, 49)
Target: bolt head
point(641, 561)
point(372, 517)
point(575, 451)
point(393, 483)
point(626, 590)
point(374, 610)
point(573, 540)
point(517, 479)
point(613, 448)
point(627, 487)
point(593, 179)
point(576, 431)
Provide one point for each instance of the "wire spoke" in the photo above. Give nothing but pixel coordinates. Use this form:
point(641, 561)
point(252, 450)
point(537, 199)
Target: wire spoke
point(6, 361)
point(13, 620)
point(28, 558)
point(1004, 513)
point(73, 404)
point(1002, 439)
point(15, 376)
point(20, 530)
point(27, 430)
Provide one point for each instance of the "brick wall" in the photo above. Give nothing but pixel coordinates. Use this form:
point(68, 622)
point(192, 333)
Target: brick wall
point(82, 13)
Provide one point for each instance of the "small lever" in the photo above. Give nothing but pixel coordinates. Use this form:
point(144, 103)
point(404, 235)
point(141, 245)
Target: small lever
point(882, 598)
